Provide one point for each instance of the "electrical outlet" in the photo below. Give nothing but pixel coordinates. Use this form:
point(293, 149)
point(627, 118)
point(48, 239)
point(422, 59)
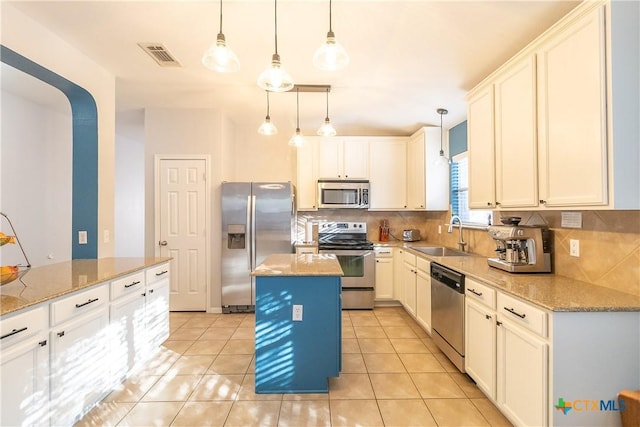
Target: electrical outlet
point(297, 313)
point(439, 229)
point(82, 237)
point(574, 247)
point(106, 236)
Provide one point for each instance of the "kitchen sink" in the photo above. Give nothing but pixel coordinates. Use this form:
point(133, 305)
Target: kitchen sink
point(438, 251)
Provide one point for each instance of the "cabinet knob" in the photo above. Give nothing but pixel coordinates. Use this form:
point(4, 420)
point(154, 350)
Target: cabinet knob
point(488, 203)
point(488, 316)
point(60, 334)
point(42, 343)
point(497, 203)
point(499, 323)
point(543, 202)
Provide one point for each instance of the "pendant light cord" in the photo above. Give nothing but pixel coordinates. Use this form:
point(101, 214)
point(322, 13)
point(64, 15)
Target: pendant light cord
point(297, 108)
point(267, 103)
point(330, 30)
point(275, 19)
point(441, 150)
point(221, 16)
point(327, 118)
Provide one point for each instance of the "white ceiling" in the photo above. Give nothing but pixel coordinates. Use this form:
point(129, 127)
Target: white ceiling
point(408, 58)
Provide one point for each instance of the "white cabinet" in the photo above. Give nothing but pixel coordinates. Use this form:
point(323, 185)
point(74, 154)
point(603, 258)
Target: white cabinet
point(157, 306)
point(398, 275)
point(388, 174)
point(427, 182)
point(307, 176)
point(301, 250)
point(423, 293)
point(480, 131)
point(79, 353)
point(384, 272)
point(343, 158)
point(409, 283)
point(572, 123)
point(24, 368)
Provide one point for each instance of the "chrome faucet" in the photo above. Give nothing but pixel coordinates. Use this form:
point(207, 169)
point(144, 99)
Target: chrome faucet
point(461, 243)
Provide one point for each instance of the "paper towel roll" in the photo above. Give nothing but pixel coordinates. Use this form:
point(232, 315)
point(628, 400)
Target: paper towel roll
point(308, 232)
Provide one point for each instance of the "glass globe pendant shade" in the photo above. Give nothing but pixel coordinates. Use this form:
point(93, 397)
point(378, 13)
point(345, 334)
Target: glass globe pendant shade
point(219, 57)
point(327, 128)
point(267, 128)
point(275, 78)
point(297, 140)
point(331, 56)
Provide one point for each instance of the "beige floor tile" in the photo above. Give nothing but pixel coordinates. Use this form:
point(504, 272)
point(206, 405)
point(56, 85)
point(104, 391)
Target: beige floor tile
point(369, 332)
point(375, 345)
point(217, 333)
point(217, 387)
point(348, 332)
point(244, 334)
point(467, 385)
point(230, 364)
point(179, 347)
point(455, 412)
point(159, 363)
point(151, 414)
point(186, 334)
point(353, 363)
point(350, 346)
point(132, 389)
point(105, 414)
point(399, 332)
point(392, 320)
point(248, 390)
point(304, 413)
point(405, 413)
point(393, 386)
point(421, 362)
point(239, 347)
point(199, 322)
point(436, 385)
point(491, 413)
point(430, 344)
point(204, 347)
point(203, 414)
point(445, 362)
point(364, 320)
point(248, 322)
point(172, 388)
point(252, 365)
point(351, 386)
point(250, 413)
point(305, 396)
point(228, 320)
point(420, 333)
point(349, 413)
point(408, 345)
point(176, 322)
point(383, 362)
point(191, 365)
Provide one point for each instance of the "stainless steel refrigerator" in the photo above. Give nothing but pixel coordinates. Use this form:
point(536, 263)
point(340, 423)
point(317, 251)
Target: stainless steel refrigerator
point(258, 219)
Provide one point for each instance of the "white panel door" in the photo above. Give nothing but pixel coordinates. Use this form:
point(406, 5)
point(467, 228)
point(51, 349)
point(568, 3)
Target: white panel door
point(183, 231)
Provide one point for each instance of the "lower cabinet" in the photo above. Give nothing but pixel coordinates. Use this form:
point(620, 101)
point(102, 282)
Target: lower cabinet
point(398, 275)
point(480, 346)
point(409, 272)
point(384, 273)
point(157, 307)
point(423, 294)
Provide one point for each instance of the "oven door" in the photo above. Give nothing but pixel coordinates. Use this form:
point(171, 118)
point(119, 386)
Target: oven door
point(358, 266)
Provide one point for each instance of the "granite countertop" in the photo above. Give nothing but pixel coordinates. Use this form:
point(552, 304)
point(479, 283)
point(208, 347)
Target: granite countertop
point(299, 265)
point(40, 284)
point(546, 290)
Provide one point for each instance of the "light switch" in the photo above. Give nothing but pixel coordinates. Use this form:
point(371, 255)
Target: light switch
point(82, 237)
point(574, 247)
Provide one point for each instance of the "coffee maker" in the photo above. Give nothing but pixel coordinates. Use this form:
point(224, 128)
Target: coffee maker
point(521, 249)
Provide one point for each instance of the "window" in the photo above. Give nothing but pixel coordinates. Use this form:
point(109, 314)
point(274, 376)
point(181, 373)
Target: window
point(460, 193)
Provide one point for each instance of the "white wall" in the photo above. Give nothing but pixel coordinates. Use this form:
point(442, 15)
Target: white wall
point(35, 176)
point(28, 38)
point(263, 158)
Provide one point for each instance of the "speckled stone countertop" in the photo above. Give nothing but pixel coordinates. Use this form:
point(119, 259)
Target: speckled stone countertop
point(549, 291)
point(299, 265)
point(40, 284)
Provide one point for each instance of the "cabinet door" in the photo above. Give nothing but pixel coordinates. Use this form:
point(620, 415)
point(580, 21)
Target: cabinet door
point(515, 136)
point(423, 299)
point(480, 128)
point(480, 346)
point(388, 177)
point(416, 175)
point(79, 361)
point(522, 367)
point(24, 381)
point(409, 280)
point(398, 273)
point(128, 335)
point(330, 158)
point(384, 277)
point(157, 313)
point(572, 115)
point(307, 176)
point(356, 159)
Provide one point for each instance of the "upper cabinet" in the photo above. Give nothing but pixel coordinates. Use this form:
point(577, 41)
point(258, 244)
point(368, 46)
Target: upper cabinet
point(343, 158)
point(388, 173)
point(541, 128)
point(307, 176)
point(427, 181)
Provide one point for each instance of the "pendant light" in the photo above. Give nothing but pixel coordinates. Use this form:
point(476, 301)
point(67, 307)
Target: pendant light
point(267, 128)
point(297, 140)
point(219, 57)
point(442, 159)
point(275, 78)
point(327, 128)
point(331, 56)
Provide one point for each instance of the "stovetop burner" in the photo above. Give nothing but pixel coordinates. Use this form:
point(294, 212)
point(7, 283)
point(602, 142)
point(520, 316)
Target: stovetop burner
point(343, 235)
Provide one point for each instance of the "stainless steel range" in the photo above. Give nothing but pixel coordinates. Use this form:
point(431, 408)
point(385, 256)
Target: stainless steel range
point(348, 241)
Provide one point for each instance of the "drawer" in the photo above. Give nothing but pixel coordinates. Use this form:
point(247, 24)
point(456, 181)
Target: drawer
point(409, 258)
point(306, 250)
point(424, 265)
point(79, 303)
point(128, 284)
point(523, 314)
point(482, 293)
point(20, 326)
point(383, 252)
point(158, 272)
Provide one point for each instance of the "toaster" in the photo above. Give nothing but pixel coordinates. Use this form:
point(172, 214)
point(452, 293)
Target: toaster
point(411, 235)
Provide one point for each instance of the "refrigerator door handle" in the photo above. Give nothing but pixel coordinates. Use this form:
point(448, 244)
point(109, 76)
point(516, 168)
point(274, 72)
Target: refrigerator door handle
point(253, 232)
point(249, 231)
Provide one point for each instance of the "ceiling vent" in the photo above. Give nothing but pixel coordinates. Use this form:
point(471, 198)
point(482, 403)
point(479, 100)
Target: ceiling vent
point(160, 54)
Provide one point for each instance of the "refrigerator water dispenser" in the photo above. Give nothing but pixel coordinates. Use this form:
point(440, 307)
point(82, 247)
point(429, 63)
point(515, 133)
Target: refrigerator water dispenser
point(236, 236)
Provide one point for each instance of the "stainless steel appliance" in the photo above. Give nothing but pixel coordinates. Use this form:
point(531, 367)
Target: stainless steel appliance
point(334, 194)
point(348, 241)
point(411, 235)
point(447, 312)
point(258, 219)
point(521, 249)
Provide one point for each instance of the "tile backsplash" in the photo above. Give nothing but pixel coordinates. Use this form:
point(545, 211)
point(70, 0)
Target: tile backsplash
point(609, 240)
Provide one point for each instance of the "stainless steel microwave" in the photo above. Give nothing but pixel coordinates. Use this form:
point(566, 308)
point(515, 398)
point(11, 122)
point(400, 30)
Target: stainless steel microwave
point(340, 194)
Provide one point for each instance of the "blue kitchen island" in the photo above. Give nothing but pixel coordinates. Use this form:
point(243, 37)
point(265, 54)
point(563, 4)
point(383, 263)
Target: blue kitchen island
point(298, 323)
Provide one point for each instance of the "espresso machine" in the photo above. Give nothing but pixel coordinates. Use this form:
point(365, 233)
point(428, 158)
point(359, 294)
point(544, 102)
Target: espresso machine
point(521, 249)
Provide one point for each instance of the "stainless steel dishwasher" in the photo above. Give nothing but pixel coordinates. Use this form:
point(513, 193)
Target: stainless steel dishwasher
point(447, 312)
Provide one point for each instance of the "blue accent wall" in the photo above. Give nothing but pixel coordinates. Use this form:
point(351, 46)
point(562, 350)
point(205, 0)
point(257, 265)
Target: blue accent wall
point(458, 139)
point(85, 151)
